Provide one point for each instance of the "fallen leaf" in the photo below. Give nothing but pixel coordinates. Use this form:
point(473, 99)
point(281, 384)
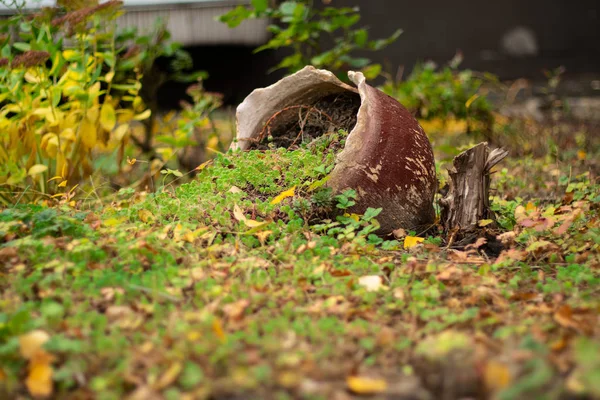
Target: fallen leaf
point(478, 243)
point(235, 311)
point(399, 233)
point(284, 195)
point(31, 344)
point(412, 241)
point(146, 216)
point(366, 385)
point(238, 214)
point(203, 165)
point(169, 376)
point(39, 379)
point(496, 376)
point(372, 283)
point(217, 327)
point(564, 316)
point(450, 274)
point(254, 224)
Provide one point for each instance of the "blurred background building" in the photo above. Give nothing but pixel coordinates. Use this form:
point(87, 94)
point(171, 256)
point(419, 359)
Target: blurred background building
point(510, 38)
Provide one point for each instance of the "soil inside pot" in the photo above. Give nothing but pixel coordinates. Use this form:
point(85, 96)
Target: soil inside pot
point(302, 123)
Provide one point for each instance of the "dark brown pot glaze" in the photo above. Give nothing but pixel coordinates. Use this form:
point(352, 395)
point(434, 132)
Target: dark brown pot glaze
point(387, 158)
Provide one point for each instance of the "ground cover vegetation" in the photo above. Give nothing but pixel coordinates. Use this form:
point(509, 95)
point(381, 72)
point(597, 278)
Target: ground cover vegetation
point(246, 277)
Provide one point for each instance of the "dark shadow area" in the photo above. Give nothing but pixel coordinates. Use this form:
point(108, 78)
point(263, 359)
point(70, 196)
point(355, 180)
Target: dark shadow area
point(233, 71)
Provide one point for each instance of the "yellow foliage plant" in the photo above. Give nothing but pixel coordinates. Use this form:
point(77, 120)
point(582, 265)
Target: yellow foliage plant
point(60, 106)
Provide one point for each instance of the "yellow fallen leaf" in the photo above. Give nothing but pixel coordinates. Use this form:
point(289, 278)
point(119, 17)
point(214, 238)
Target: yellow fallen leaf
point(412, 241)
point(365, 385)
point(39, 380)
point(496, 376)
point(31, 343)
point(485, 222)
point(254, 224)
point(169, 376)
point(203, 165)
point(284, 195)
point(218, 329)
point(238, 214)
point(146, 216)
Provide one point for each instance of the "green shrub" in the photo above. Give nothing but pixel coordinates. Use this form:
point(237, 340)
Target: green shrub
point(73, 90)
point(447, 93)
point(304, 29)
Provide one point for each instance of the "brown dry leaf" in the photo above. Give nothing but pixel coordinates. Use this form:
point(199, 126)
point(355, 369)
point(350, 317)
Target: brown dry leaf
point(564, 227)
point(512, 254)
point(124, 317)
point(144, 393)
point(262, 236)
point(497, 376)
point(386, 336)
point(399, 233)
point(450, 273)
point(564, 316)
point(301, 249)
point(334, 305)
point(465, 257)
point(235, 311)
point(507, 238)
point(542, 247)
point(366, 385)
point(7, 253)
point(109, 293)
point(478, 243)
point(114, 313)
point(399, 293)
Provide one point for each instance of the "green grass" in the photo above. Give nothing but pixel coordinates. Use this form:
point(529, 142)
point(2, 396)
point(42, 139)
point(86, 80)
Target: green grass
point(173, 293)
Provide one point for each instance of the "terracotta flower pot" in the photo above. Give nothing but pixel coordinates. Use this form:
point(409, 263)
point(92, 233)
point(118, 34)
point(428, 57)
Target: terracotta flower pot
point(387, 157)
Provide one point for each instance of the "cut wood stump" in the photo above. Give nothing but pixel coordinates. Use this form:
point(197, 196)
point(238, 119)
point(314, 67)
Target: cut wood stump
point(467, 201)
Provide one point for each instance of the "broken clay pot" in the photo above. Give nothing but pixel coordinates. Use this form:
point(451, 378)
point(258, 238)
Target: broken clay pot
point(387, 157)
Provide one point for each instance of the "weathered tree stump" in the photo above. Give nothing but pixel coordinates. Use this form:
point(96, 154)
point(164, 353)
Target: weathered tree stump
point(467, 201)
